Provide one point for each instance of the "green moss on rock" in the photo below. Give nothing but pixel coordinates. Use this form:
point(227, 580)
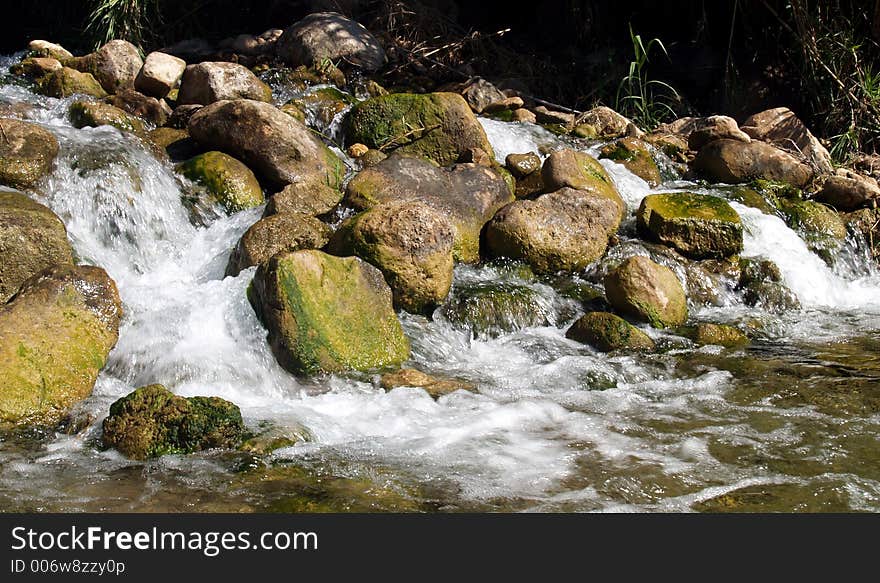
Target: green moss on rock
point(607, 332)
point(635, 156)
point(65, 82)
point(229, 181)
point(27, 152)
point(93, 114)
point(717, 334)
point(647, 291)
point(698, 226)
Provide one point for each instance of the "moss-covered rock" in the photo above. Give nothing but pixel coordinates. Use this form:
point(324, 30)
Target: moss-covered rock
point(765, 202)
point(468, 193)
point(26, 153)
point(647, 291)
point(323, 104)
point(565, 230)
point(698, 226)
point(55, 336)
point(229, 181)
point(310, 198)
point(281, 233)
point(327, 313)
point(35, 67)
point(411, 243)
point(65, 82)
point(761, 284)
point(92, 114)
point(635, 155)
point(818, 225)
point(438, 126)
point(490, 309)
point(607, 332)
point(176, 142)
point(716, 334)
point(580, 171)
point(434, 386)
point(271, 437)
point(274, 145)
point(32, 238)
point(152, 421)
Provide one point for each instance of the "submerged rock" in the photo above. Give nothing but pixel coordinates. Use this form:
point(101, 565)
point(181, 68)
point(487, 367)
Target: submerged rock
point(55, 336)
point(329, 36)
point(281, 233)
point(276, 146)
point(580, 171)
point(209, 82)
point(327, 313)
point(93, 114)
point(696, 225)
point(565, 230)
point(716, 334)
point(65, 82)
point(761, 285)
point(434, 386)
point(733, 161)
point(411, 243)
point(647, 291)
point(152, 421)
point(468, 194)
point(635, 156)
point(27, 152)
point(490, 309)
point(607, 332)
point(115, 65)
point(818, 225)
point(32, 238)
point(437, 126)
point(229, 181)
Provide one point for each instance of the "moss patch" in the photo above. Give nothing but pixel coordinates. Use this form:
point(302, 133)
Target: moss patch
point(229, 181)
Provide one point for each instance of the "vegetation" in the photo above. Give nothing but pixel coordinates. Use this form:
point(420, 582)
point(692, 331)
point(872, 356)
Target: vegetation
point(648, 102)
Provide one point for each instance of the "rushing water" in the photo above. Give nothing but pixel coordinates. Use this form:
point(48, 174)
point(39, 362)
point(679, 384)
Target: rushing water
point(789, 424)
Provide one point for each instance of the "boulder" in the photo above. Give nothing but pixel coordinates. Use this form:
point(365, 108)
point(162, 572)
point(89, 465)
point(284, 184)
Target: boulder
point(275, 234)
point(733, 161)
point(32, 238)
point(65, 82)
point(152, 421)
point(35, 67)
point(115, 65)
point(818, 225)
point(411, 243)
point(607, 332)
point(94, 114)
point(479, 94)
point(782, 128)
point(46, 49)
point(849, 192)
point(280, 149)
point(647, 291)
point(523, 115)
point(636, 157)
point(55, 336)
point(311, 198)
point(699, 131)
point(181, 115)
point(565, 230)
point(229, 182)
point(580, 171)
point(27, 152)
point(329, 36)
point(522, 165)
point(434, 386)
point(327, 313)
point(437, 126)
point(150, 109)
point(159, 74)
point(606, 122)
point(176, 143)
point(468, 194)
point(698, 226)
point(209, 82)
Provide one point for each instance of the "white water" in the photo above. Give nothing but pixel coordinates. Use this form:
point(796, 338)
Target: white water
point(537, 428)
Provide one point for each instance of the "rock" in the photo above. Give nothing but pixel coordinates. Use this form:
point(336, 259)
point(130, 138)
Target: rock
point(32, 238)
point(27, 152)
point(159, 74)
point(35, 67)
point(510, 104)
point(209, 82)
point(635, 156)
point(92, 114)
point(548, 116)
point(229, 181)
point(327, 313)
point(468, 194)
point(46, 49)
point(761, 285)
point(330, 36)
point(490, 309)
point(411, 243)
point(698, 226)
point(699, 131)
point(647, 291)
point(733, 162)
point(310, 198)
point(149, 108)
point(152, 421)
point(357, 150)
point(716, 334)
point(565, 230)
point(524, 116)
point(848, 193)
point(275, 234)
point(371, 157)
point(438, 126)
point(607, 332)
point(55, 335)
point(323, 105)
point(479, 94)
point(65, 82)
point(176, 143)
point(580, 171)
point(181, 115)
point(272, 437)
point(781, 127)
point(818, 225)
point(270, 142)
point(606, 122)
point(435, 387)
point(115, 65)
point(294, 109)
point(866, 222)
point(521, 165)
